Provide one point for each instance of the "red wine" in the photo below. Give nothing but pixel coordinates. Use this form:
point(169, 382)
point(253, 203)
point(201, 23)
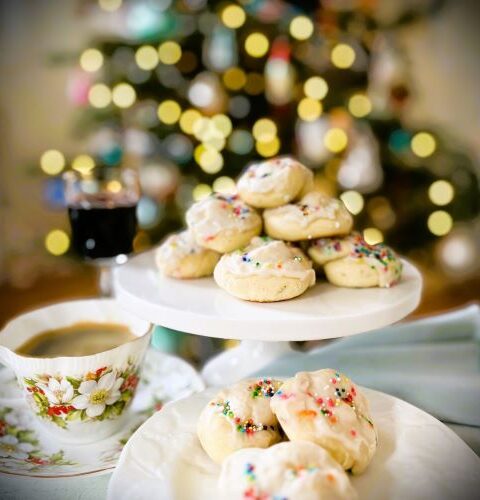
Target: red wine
point(102, 231)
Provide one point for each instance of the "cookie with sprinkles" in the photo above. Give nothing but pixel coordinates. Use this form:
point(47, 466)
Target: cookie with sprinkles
point(296, 470)
point(267, 270)
point(274, 182)
point(223, 222)
point(179, 256)
point(314, 216)
point(239, 417)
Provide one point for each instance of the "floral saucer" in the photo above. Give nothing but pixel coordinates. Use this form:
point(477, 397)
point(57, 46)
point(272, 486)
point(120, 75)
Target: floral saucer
point(27, 450)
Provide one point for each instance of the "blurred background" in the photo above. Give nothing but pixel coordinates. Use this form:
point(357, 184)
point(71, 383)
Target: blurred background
point(379, 97)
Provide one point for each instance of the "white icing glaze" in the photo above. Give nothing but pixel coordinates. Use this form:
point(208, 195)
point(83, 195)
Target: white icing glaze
point(178, 245)
point(267, 257)
point(219, 212)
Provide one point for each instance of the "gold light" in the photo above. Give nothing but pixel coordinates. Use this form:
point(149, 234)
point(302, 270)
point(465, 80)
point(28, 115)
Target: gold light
point(342, 56)
point(91, 60)
point(256, 45)
point(372, 235)
point(188, 119)
point(309, 109)
point(146, 57)
point(233, 16)
point(201, 191)
point(52, 162)
point(57, 242)
point(255, 84)
point(169, 52)
point(169, 112)
point(83, 164)
point(353, 200)
point(441, 192)
point(114, 186)
point(234, 78)
point(99, 95)
point(223, 124)
point(440, 222)
point(224, 185)
point(315, 87)
point(359, 105)
point(123, 95)
point(301, 27)
point(268, 148)
point(264, 130)
point(335, 140)
point(423, 144)
point(209, 159)
point(110, 5)
point(201, 128)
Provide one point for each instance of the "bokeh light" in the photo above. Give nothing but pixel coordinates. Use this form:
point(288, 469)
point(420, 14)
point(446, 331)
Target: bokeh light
point(169, 52)
point(256, 45)
point(57, 242)
point(201, 191)
point(52, 162)
point(99, 95)
point(372, 235)
point(359, 105)
point(83, 164)
point(423, 144)
point(335, 140)
point(114, 186)
point(441, 192)
point(188, 119)
point(209, 159)
point(255, 84)
point(110, 5)
point(146, 57)
point(240, 142)
point(223, 124)
point(440, 222)
point(91, 60)
point(353, 200)
point(264, 130)
point(342, 56)
point(268, 148)
point(123, 95)
point(315, 87)
point(233, 16)
point(309, 109)
point(169, 112)
point(234, 78)
point(224, 185)
point(301, 27)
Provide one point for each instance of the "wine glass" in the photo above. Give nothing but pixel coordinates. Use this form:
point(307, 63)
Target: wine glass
point(102, 211)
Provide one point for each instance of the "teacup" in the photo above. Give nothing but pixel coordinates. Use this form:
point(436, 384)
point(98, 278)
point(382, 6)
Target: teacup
point(62, 391)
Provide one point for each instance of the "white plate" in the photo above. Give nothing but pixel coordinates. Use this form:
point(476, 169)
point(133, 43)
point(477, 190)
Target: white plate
point(164, 378)
point(418, 458)
point(201, 307)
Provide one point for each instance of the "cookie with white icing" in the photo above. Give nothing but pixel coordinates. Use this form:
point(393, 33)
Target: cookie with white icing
point(352, 262)
point(296, 470)
point(326, 408)
point(265, 271)
point(223, 222)
point(314, 216)
point(239, 417)
point(274, 182)
point(179, 256)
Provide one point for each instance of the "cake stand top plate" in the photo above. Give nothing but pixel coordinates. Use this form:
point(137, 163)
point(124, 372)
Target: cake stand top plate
point(201, 307)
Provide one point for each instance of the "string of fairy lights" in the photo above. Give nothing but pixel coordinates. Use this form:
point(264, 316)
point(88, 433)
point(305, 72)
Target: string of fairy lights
point(211, 119)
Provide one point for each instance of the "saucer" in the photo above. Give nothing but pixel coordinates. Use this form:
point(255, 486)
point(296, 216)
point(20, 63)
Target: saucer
point(26, 449)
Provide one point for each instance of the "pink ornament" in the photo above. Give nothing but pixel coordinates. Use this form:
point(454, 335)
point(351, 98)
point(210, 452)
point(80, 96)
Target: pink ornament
point(78, 87)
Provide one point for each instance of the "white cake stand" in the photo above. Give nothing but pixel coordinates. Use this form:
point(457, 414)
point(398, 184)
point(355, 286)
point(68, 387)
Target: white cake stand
point(202, 308)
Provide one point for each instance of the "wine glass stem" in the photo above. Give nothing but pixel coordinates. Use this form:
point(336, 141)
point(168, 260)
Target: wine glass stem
point(105, 281)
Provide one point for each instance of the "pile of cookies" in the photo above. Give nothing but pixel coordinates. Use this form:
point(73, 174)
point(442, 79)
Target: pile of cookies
point(276, 195)
point(292, 439)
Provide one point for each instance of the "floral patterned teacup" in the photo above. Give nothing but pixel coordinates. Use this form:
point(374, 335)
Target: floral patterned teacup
point(80, 399)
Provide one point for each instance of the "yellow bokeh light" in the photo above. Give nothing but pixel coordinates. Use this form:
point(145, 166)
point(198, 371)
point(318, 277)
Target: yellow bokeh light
point(343, 56)
point(201, 191)
point(169, 52)
point(335, 140)
point(255, 84)
point(234, 78)
point(301, 27)
point(110, 5)
point(309, 109)
point(353, 200)
point(146, 57)
point(359, 105)
point(223, 124)
point(202, 128)
point(169, 112)
point(423, 144)
point(372, 235)
point(268, 149)
point(441, 192)
point(264, 130)
point(233, 16)
point(52, 162)
point(440, 222)
point(224, 185)
point(114, 186)
point(315, 87)
point(91, 60)
point(57, 242)
point(188, 119)
point(215, 141)
point(209, 159)
point(256, 45)
point(83, 164)
point(99, 95)
point(123, 95)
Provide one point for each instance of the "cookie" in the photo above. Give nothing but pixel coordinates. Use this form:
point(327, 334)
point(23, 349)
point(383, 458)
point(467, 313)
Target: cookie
point(314, 216)
point(327, 408)
point(265, 271)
